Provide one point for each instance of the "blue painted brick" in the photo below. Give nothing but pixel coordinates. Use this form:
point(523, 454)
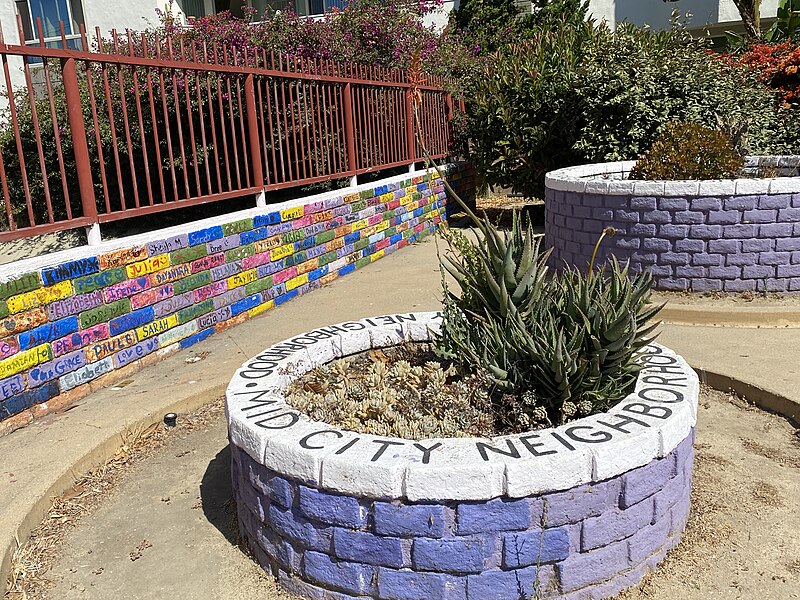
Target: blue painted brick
point(690, 271)
point(705, 285)
point(775, 230)
point(287, 296)
point(758, 271)
point(724, 217)
point(645, 481)
point(12, 385)
point(278, 549)
point(760, 216)
point(757, 245)
point(47, 332)
point(690, 245)
point(657, 245)
point(741, 259)
point(272, 218)
point(702, 259)
point(131, 320)
point(615, 525)
point(196, 337)
point(774, 258)
point(16, 404)
point(354, 578)
point(673, 231)
point(361, 546)
point(739, 285)
point(245, 304)
point(725, 272)
point(410, 585)
point(530, 582)
point(281, 492)
point(688, 217)
point(414, 520)
point(318, 273)
point(289, 524)
point(708, 232)
point(347, 269)
point(723, 246)
point(673, 204)
point(775, 201)
point(71, 270)
point(643, 203)
point(494, 515)
point(453, 555)
point(395, 238)
point(673, 258)
point(658, 217)
point(248, 237)
point(205, 235)
point(740, 203)
point(332, 509)
point(705, 204)
point(535, 547)
point(673, 283)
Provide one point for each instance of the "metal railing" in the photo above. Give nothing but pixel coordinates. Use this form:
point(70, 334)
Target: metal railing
point(141, 124)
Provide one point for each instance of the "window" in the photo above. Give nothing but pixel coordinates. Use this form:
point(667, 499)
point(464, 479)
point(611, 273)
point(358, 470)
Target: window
point(50, 13)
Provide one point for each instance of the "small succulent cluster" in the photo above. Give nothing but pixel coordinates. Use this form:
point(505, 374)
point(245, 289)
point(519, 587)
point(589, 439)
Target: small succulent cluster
point(396, 392)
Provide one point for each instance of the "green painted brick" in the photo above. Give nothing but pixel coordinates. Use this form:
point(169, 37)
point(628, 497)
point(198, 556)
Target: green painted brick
point(90, 283)
point(3, 309)
point(326, 258)
point(237, 226)
point(194, 311)
point(240, 252)
point(292, 236)
point(104, 313)
point(366, 194)
point(416, 196)
point(390, 232)
point(259, 285)
point(192, 282)
point(185, 255)
point(359, 205)
point(295, 259)
point(20, 285)
point(325, 236)
point(361, 244)
point(408, 232)
point(363, 262)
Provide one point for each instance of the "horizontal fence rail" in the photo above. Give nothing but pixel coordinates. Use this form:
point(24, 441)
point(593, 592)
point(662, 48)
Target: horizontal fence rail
point(137, 124)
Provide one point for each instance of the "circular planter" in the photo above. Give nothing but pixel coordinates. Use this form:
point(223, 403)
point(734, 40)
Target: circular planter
point(721, 235)
point(579, 511)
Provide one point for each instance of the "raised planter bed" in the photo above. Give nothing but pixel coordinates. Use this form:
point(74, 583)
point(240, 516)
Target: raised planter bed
point(723, 235)
point(579, 511)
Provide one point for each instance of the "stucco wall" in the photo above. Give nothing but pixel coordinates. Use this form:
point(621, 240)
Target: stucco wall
point(657, 13)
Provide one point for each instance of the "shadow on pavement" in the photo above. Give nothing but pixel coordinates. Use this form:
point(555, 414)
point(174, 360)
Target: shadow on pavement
point(217, 496)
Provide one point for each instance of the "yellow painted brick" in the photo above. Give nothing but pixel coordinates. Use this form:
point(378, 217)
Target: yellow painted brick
point(24, 360)
point(38, 297)
point(344, 230)
point(405, 200)
point(267, 244)
point(282, 252)
point(368, 231)
point(156, 327)
point(328, 278)
point(289, 214)
point(155, 263)
point(382, 226)
point(102, 348)
point(261, 308)
point(350, 198)
point(377, 255)
point(296, 282)
point(334, 244)
point(387, 197)
point(413, 206)
point(242, 278)
point(360, 224)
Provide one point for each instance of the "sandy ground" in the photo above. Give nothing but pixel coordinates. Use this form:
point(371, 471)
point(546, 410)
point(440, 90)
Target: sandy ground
point(748, 300)
point(163, 527)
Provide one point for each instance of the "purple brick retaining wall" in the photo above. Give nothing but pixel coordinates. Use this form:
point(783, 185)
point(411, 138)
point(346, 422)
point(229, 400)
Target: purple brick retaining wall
point(579, 511)
point(588, 542)
point(732, 236)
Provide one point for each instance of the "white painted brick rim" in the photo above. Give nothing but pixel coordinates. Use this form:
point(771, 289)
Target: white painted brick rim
point(591, 449)
point(611, 179)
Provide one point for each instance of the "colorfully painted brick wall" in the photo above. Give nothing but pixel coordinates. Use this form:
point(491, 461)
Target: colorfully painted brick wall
point(731, 236)
point(591, 541)
point(69, 326)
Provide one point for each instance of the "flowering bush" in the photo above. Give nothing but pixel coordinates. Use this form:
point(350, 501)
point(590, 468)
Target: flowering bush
point(778, 66)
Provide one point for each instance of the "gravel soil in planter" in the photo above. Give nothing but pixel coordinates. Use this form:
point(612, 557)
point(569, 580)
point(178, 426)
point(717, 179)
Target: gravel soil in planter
point(579, 511)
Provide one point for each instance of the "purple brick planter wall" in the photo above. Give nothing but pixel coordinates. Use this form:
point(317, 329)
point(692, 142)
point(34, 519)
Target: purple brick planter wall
point(588, 542)
point(730, 236)
point(580, 511)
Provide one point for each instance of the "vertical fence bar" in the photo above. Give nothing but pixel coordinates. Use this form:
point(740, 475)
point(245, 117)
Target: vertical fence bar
point(412, 144)
point(80, 146)
point(252, 130)
point(349, 135)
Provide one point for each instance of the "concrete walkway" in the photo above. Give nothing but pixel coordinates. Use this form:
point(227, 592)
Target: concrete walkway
point(42, 460)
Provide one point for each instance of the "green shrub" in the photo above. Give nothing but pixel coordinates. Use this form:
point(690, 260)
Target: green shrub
point(689, 151)
point(556, 346)
point(579, 94)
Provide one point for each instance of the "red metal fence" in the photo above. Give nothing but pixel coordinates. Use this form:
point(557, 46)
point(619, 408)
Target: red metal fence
point(139, 124)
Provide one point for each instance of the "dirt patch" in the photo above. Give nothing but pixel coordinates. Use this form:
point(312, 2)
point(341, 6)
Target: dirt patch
point(752, 300)
point(741, 539)
point(171, 490)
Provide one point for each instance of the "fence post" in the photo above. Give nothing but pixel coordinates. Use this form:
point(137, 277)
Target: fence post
point(80, 147)
point(252, 132)
point(449, 100)
point(411, 140)
point(349, 133)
